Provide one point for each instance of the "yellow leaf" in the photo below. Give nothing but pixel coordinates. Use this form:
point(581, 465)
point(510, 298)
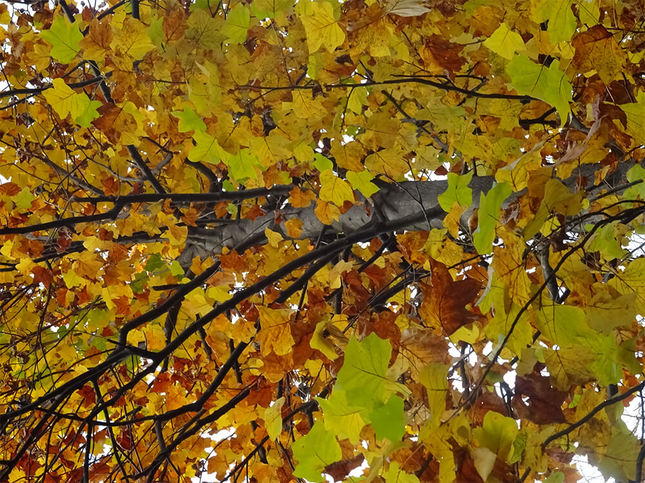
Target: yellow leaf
point(65, 102)
point(326, 212)
point(273, 237)
point(293, 227)
point(321, 26)
point(334, 189)
point(275, 334)
point(131, 41)
point(72, 279)
point(273, 418)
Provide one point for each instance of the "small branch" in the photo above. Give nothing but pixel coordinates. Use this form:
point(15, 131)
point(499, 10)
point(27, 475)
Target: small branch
point(71, 221)
point(149, 175)
point(187, 197)
point(135, 8)
point(587, 417)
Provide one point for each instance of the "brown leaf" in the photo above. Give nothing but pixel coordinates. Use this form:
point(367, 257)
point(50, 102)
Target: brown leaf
point(544, 404)
point(446, 54)
point(339, 470)
point(445, 300)
point(9, 189)
point(596, 49)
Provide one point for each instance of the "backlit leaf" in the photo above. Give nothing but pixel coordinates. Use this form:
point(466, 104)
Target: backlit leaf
point(314, 452)
point(549, 84)
point(64, 37)
point(237, 23)
point(321, 26)
point(488, 216)
point(458, 191)
point(335, 189)
point(505, 42)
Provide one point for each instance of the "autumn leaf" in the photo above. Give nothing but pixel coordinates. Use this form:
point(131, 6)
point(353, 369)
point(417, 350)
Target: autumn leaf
point(321, 25)
point(549, 84)
point(67, 102)
point(447, 300)
point(314, 452)
point(334, 189)
point(505, 42)
point(64, 38)
point(237, 23)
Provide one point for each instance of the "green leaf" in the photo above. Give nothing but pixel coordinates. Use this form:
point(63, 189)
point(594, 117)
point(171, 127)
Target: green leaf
point(557, 477)
point(175, 269)
point(519, 445)
point(458, 191)
point(396, 474)
point(87, 111)
point(607, 241)
point(139, 283)
point(549, 84)
point(489, 206)
point(98, 319)
point(497, 434)
point(388, 420)
point(314, 452)
point(64, 37)
point(362, 182)
point(206, 149)
point(322, 163)
point(154, 263)
point(636, 174)
point(635, 113)
point(618, 458)
point(189, 121)
point(67, 102)
point(562, 22)
point(342, 416)
point(363, 375)
point(242, 165)
point(237, 24)
point(23, 199)
point(505, 42)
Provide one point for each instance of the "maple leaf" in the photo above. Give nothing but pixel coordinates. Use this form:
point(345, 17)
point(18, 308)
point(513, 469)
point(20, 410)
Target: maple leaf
point(547, 83)
point(64, 37)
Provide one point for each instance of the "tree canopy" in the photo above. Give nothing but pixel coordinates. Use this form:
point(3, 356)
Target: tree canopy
point(360, 240)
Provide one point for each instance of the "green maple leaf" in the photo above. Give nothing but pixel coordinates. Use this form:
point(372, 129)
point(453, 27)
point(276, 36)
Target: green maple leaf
point(489, 206)
point(388, 420)
point(549, 84)
point(342, 417)
point(23, 199)
point(242, 165)
point(67, 102)
point(65, 38)
point(362, 182)
point(206, 149)
point(237, 24)
point(189, 120)
point(315, 451)
point(458, 191)
point(363, 375)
